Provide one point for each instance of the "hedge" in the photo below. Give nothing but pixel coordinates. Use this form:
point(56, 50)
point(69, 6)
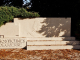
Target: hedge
point(8, 13)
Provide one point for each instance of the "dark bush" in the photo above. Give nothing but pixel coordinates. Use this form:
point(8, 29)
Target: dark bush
point(77, 32)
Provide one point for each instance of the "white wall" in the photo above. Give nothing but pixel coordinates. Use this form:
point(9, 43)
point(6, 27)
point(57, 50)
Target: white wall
point(37, 27)
point(9, 30)
point(44, 27)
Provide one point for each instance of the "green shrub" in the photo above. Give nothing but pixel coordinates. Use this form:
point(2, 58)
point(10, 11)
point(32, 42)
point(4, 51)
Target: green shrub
point(22, 12)
point(5, 15)
point(36, 14)
point(14, 11)
point(5, 18)
point(25, 14)
point(8, 13)
point(10, 10)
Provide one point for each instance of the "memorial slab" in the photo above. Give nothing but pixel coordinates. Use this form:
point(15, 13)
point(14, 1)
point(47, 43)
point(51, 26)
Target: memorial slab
point(37, 27)
point(12, 43)
point(44, 27)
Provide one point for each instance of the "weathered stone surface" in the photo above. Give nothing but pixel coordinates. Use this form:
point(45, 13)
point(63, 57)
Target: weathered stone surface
point(37, 27)
point(12, 43)
point(44, 27)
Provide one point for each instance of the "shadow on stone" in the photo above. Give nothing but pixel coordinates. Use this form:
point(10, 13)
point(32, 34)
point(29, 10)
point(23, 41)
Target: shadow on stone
point(54, 26)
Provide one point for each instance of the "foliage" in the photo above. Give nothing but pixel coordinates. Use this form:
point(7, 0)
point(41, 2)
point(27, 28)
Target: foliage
point(26, 14)
point(5, 15)
point(8, 13)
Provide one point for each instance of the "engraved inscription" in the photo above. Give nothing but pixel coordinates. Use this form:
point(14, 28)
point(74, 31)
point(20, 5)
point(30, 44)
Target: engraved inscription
point(11, 42)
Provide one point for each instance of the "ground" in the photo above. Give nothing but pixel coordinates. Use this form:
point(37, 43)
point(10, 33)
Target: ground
point(23, 54)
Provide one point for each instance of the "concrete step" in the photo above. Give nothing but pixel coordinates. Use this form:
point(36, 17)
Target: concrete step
point(53, 42)
point(52, 47)
point(52, 38)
